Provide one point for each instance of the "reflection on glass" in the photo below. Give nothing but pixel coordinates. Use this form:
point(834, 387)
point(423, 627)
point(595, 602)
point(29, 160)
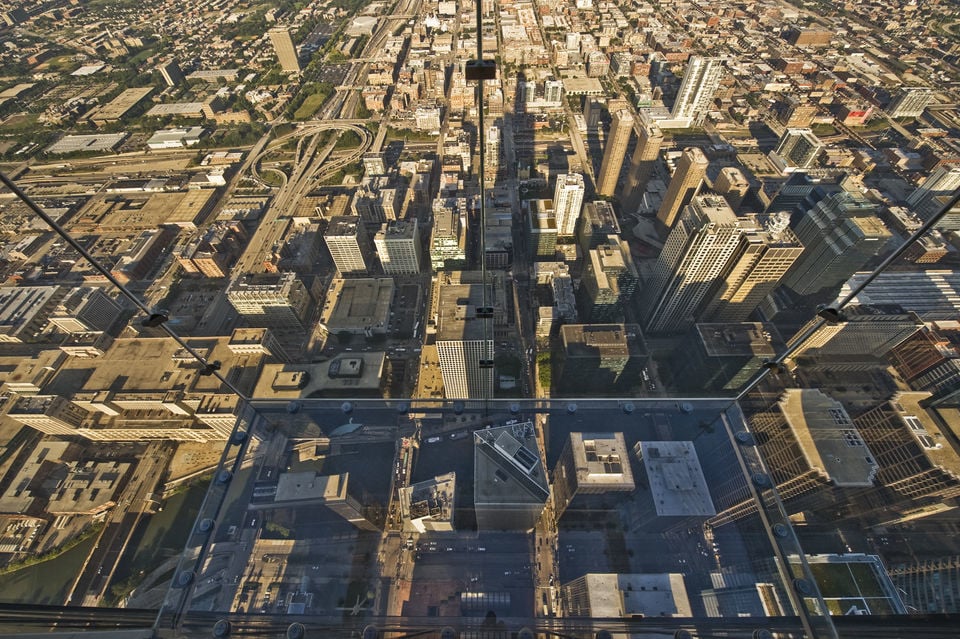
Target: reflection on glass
point(378, 319)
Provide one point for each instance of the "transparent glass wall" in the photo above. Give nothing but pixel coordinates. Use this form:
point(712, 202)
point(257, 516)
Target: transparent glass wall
point(476, 319)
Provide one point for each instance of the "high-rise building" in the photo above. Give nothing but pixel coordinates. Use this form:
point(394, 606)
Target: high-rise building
point(373, 164)
point(933, 291)
point(543, 229)
point(491, 156)
point(348, 243)
point(429, 505)
point(509, 480)
point(25, 310)
point(448, 239)
point(601, 358)
point(598, 222)
point(286, 52)
point(797, 150)
point(798, 194)
point(645, 155)
point(700, 83)
point(840, 235)
point(271, 300)
point(715, 357)
point(85, 309)
point(732, 185)
point(926, 349)
point(464, 339)
point(553, 91)
point(930, 585)
point(609, 281)
point(398, 246)
point(627, 595)
point(335, 492)
point(568, 202)
point(171, 73)
point(942, 182)
point(910, 102)
point(915, 456)
point(755, 269)
point(812, 448)
point(792, 113)
point(616, 149)
point(592, 109)
point(861, 342)
point(811, 37)
point(694, 256)
point(591, 464)
point(677, 494)
point(598, 64)
point(686, 181)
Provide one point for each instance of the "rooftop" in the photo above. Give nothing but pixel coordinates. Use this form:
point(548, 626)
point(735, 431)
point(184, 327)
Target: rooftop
point(676, 479)
point(634, 595)
point(827, 437)
point(935, 429)
point(740, 339)
point(308, 486)
point(459, 294)
point(507, 466)
point(602, 459)
point(602, 340)
point(357, 305)
point(432, 499)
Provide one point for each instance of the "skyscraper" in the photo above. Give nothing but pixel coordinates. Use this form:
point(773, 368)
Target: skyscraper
point(171, 73)
point(591, 464)
point(598, 221)
point(600, 358)
point(491, 156)
point(271, 300)
point(286, 52)
point(552, 91)
point(613, 154)
point(931, 585)
point(686, 181)
point(797, 150)
point(463, 339)
point(645, 155)
point(629, 595)
point(567, 202)
point(840, 235)
point(813, 450)
point(695, 255)
point(732, 185)
point(942, 182)
point(755, 269)
point(700, 82)
point(348, 243)
point(398, 246)
point(591, 112)
point(862, 341)
point(509, 481)
point(543, 230)
point(609, 281)
point(913, 451)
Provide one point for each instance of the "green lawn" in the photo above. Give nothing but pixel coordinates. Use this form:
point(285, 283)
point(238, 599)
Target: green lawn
point(310, 106)
point(866, 580)
point(834, 580)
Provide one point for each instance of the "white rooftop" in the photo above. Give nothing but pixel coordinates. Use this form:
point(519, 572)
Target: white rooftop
point(676, 479)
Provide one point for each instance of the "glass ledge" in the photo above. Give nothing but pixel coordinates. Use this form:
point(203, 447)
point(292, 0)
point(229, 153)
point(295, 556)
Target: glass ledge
point(562, 516)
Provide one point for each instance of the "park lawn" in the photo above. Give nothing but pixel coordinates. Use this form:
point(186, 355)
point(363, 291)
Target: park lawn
point(310, 106)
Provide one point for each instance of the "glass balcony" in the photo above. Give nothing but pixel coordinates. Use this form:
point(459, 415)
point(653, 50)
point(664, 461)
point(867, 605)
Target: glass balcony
point(672, 401)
